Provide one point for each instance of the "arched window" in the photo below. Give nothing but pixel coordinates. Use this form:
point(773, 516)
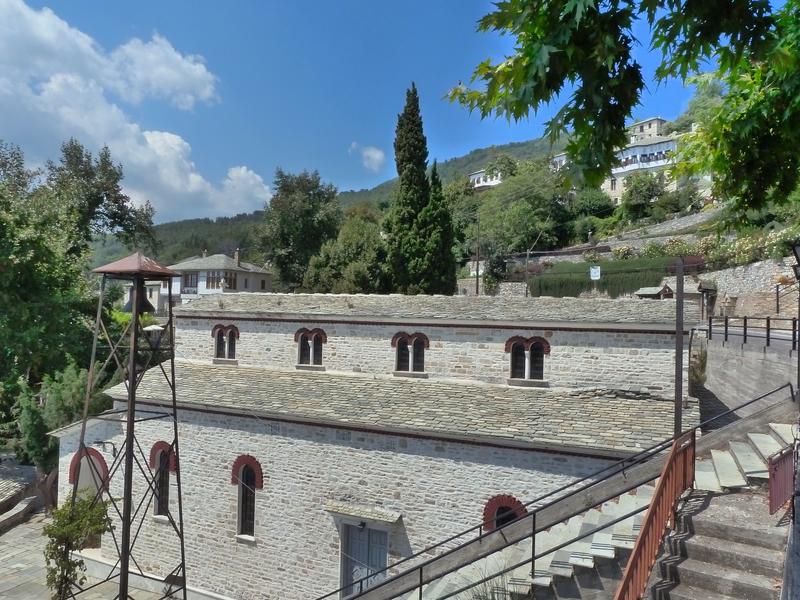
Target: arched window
point(537, 361)
point(161, 481)
point(247, 476)
point(317, 349)
point(225, 338)
point(90, 470)
point(518, 360)
point(419, 355)
point(410, 350)
point(309, 346)
point(402, 355)
point(232, 344)
point(247, 501)
point(219, 351)
point(501, 510)
point(305, 350)
point(527, 357)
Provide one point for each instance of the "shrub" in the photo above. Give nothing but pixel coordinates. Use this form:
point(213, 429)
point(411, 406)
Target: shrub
point(652, 250)
point(623, 252)
point(676, 247)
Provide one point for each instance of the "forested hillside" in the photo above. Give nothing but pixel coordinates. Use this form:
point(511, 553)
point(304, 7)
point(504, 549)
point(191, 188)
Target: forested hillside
point(180, 239)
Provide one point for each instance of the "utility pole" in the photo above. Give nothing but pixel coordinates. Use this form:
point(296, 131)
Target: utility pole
point(477, 256)
point(679, 347)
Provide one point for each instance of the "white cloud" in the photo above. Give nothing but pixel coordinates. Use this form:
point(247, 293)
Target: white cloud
point(56, 82)
point(372, 158)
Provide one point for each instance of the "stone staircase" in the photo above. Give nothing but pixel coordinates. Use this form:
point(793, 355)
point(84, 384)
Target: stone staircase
point(710, 551)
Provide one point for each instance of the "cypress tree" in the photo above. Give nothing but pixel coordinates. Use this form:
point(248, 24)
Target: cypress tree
point(435, 266)
point(411, 159)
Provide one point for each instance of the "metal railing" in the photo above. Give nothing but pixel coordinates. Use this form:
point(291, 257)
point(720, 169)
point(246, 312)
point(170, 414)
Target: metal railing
point(781, 478)
point(676, 477)
point(490, 542)
point(766, 328)
point(781, 291)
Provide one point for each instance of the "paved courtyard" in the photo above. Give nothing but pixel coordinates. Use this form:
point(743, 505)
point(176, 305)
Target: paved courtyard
point(22, 574)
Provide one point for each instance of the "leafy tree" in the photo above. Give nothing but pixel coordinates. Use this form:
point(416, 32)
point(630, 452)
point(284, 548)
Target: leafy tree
point(435, 264)
point(462, 202)
point(524, 212)
point(302, 215)
point(590, 202)
point(502, 165)
point(94, 187)
point(641, 189)
point(351, 263)
point(72, 527)
point(411, 196)
point(587, 45)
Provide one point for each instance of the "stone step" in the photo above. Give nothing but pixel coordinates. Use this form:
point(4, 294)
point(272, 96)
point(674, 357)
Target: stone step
point(727, 470)
point(688, 592)
point(745, 557)
point(721, 580)
point(784, 431)
point(737, 533)
point(705, 477)
point(749, 461)
point(765, 444)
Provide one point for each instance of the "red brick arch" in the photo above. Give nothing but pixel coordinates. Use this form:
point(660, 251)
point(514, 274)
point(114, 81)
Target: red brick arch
point(241, 461)
point(226, 329)
point(527, 343)
point(162, 446)
point(490, 509)
point(311, 333)
point(102, 467)
point(410, 338)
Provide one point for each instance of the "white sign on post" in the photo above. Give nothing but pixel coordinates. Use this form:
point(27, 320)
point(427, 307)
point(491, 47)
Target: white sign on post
point(594, 273)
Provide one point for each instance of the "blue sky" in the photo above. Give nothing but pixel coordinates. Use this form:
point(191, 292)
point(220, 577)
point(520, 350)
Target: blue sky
point(201, 101)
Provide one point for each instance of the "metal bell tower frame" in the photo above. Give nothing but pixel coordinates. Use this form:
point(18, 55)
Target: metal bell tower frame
point(133, 353)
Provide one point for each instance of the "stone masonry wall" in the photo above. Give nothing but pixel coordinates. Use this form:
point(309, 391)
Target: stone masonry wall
point(439, 488)
point(620, 360)
point(754, 278)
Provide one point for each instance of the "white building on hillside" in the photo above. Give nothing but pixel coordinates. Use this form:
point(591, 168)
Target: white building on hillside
point(217, 273)
point(325, 437)
point(482, 182)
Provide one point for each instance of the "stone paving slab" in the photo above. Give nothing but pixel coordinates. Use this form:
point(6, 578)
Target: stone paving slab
point(14, 477)
point(22, 567)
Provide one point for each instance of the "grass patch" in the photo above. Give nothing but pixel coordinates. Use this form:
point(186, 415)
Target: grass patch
point(617, 278)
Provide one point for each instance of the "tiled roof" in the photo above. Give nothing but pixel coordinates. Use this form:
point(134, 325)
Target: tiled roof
point(586, 421)
point(218, 262)
point(568, 311)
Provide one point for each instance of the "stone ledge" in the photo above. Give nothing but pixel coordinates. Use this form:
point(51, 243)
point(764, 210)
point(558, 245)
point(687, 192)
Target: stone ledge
point(309, 367)
point(249, 540)
point(412, 374)
point(225, 361)
point(534, 383)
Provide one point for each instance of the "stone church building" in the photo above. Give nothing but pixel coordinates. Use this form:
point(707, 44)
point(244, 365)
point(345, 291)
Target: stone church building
point(324, 437)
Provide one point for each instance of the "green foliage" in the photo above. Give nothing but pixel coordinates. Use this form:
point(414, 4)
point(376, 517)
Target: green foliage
point(641, 189)
point(494, 272)
point(34, 445)
point(524, 212)
point(617, 277)
point(302, 215)
point(703, 107)
point(590, 202)
point(72, 528)
point(586, 46)
point(503, 165)
point(350, 263)
point(419, 229)
point(435, 264)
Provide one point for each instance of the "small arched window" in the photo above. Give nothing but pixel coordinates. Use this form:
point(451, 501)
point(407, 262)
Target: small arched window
point(402, 355)
point(419, 355)
point(502, 510)
point(247, 476)
point(219, 351)
point(537, 361)
point(232, 344)
point(527, 357)
point(162, 483)
point(309, 346)
point(247, 501)
point(225, 338)
point(518, 360)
